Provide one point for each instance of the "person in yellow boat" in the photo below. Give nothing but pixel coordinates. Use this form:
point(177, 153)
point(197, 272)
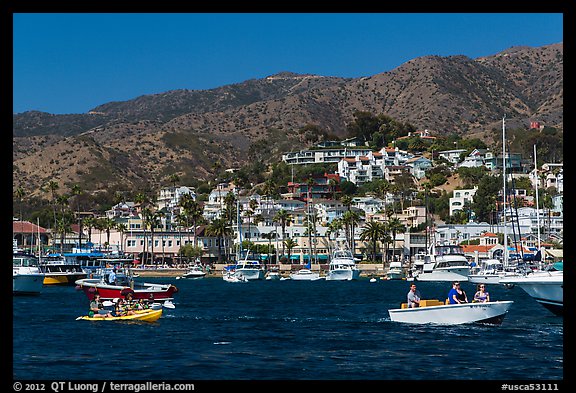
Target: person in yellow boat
point(95, 307)
point(122, 308)
point(413, 297)
point(130, 304)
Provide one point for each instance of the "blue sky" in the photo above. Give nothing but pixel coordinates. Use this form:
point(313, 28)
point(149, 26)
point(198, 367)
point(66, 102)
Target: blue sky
point(71, 63)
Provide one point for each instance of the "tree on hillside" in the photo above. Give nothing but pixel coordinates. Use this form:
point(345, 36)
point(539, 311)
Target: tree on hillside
point(485, 198)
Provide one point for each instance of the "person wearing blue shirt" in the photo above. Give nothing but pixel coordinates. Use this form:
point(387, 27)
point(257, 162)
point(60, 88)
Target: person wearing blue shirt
point(112, 277)
point(457, 295)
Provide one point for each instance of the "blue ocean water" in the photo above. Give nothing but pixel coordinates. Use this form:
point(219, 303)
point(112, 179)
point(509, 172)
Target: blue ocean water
point(283, 330)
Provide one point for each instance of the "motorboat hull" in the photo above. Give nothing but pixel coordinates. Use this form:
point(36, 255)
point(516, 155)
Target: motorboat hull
point(343, 275)
point(273, 276)
point(395, 275)
point(143, 315)
point(454, 314)
point(305, 275)
point(484, 278)
point(145, 291)
point(63, 278)
point(232, 277)
point(443, 275)
point(27, 283)
point(546, 288)
point(194, 275)
point(251, 274)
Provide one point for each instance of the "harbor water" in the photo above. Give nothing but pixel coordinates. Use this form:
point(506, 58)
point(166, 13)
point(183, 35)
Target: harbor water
point(283, 330)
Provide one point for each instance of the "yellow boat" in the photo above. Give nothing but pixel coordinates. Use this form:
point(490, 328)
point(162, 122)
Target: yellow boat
point(149, 315)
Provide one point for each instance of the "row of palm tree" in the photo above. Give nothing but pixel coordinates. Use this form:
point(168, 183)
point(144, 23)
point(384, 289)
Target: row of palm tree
point(190, 215)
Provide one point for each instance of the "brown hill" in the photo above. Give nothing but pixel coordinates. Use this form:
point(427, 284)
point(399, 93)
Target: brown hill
point(191, 133)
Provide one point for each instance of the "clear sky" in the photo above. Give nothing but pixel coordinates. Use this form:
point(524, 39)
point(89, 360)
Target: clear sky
point(71, 63)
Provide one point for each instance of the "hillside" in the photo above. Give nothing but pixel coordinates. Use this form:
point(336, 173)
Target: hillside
point(191, 133)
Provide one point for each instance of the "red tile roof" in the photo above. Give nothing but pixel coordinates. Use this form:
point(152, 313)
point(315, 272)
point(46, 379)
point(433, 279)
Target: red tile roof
point(26, 227)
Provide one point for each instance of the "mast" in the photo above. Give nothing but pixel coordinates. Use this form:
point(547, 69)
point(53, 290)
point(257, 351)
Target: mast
point(239, 227)
point(537, 203)
point(536, 189)
point(39, 244)
point(505, 255)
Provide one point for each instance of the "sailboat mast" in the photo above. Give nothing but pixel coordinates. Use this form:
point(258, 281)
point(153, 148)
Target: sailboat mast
point(504, 190)
point(239, 228)
point(537, 203)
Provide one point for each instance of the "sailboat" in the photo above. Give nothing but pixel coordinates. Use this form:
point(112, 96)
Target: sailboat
point(545, 286)
point(245, 269)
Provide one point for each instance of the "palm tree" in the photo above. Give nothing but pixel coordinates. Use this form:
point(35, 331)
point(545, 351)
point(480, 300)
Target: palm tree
point(221, 230)
point(122, 227)
point(395, 226)
point(154, 221)
point(290, 244)
point(63, 227)
point(372, 232)
point(89, 223)
point(52, 187)
point(192, 211)
point(350, 219)
point(77, 191)
point(269, 236)
point(107, 225)
point(347, 201)
point(146, 213)
point(334, 227)
point(284, 218)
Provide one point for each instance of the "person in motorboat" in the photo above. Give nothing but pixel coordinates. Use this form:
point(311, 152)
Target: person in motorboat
point(95, 307)
point(481, 294)
point(112, 277)
point(413, 297)
point(457, 294)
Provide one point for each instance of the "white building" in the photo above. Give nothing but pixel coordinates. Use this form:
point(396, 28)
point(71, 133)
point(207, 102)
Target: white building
point(460, 198)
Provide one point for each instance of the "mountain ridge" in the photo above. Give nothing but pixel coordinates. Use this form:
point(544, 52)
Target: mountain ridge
point(191, 132)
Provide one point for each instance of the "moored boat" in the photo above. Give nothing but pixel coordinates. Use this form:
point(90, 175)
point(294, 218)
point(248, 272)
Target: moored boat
point(436, 312)
point(395, 272)
point(149, 315)
point(233, 277)
point(59, 271)
point(122, 285)
point(342, 266)
point(305, 275)
point(195, 272)
point(26, 277)
point(444, 262)
point(546, 287)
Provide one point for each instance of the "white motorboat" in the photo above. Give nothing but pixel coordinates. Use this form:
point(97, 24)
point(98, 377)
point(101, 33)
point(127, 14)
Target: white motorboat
point(342, 266)
point(444, 263)
point(231, 276)
point(395, 271)
point(250, 269)
point(489, 272)
point(273, 275)
point(26, 276)
point(436, 312)
point(546, 287)
point(195, 272)
point(305, 275)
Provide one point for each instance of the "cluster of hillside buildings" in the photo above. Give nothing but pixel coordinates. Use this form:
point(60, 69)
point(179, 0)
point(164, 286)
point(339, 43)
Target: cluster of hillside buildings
point(355, 164)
